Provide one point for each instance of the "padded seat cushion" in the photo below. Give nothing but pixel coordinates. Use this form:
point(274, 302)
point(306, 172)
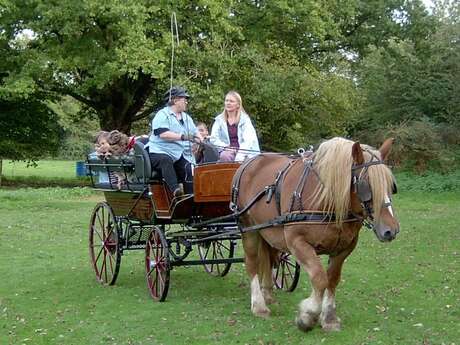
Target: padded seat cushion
point(143, 168)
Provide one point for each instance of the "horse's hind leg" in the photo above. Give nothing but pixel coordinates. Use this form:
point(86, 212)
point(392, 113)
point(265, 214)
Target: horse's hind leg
point(251, 243)
point(267, 258)
point(329, 320)
point(310, 308)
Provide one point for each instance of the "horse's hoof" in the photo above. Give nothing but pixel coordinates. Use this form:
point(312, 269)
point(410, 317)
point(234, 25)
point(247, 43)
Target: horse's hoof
point(306, 322)
point(331, 327)
point(270, 300)
point(261, 312)
point(329, 321)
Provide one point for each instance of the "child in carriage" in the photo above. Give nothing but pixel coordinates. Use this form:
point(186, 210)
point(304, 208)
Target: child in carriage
point(197, 149)
point(204, 152)
point(120, 145)
point(113, 144)
point(101, 145)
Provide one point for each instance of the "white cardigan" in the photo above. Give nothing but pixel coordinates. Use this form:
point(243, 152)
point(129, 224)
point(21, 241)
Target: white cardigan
point(247, 137)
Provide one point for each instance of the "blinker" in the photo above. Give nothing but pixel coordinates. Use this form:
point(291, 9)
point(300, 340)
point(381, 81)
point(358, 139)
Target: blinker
point(394, 190)
point(363, 190)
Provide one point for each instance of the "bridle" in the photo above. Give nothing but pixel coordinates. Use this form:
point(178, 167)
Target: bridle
point(363, 190)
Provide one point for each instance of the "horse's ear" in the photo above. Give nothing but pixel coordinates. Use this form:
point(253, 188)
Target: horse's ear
point(357, 153)
point(386, 148)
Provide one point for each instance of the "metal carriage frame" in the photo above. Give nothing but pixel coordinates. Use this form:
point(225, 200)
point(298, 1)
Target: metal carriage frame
point(139, 215)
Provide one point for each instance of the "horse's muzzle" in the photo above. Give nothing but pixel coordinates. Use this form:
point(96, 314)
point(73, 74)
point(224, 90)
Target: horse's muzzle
point(389, 236)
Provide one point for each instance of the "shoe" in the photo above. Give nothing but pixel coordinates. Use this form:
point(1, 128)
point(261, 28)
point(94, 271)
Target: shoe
point(179, 191)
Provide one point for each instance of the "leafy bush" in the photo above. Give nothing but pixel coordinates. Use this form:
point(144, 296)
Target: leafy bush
point(420, 145)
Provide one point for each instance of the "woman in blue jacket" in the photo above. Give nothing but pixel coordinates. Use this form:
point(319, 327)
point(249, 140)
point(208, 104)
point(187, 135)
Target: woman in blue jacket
point(169, 143)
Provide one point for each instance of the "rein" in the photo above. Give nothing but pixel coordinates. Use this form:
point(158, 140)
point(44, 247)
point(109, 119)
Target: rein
point(310, 217)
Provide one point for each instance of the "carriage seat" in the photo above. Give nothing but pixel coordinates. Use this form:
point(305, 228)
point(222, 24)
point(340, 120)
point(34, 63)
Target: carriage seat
point(142, 166)
point(134, 168)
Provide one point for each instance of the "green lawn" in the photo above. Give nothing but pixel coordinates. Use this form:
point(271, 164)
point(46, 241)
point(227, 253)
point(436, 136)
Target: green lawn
point(45, 173)
point(405, 292)
point(44, 169)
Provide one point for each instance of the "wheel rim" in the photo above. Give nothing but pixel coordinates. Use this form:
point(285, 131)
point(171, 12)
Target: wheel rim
point(157, 265)
point(286, 273)
point(219, 249)
point(104, 247)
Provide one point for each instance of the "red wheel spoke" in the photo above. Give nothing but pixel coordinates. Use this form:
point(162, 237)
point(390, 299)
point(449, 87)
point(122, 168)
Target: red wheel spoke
point(103, 244)
point(95, 230)
point(157, 265)
point(111, 262)
point(99, 254)
point(104, 266)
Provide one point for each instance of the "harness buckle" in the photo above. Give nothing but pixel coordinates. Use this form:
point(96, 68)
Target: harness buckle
point(233, 207)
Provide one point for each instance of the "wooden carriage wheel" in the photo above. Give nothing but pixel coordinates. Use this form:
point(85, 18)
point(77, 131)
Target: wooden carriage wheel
point(157, 264)
point(104, 244)
point(217, 249)
point(286, 273)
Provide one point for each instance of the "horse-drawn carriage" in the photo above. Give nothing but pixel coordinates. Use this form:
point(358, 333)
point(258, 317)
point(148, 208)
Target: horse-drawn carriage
point(308, 205)
point(142, 214)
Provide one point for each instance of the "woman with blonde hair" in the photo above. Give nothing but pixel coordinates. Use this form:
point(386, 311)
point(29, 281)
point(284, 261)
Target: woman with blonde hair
point(233, 131)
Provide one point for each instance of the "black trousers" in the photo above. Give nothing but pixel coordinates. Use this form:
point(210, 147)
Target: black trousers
point(173, 172)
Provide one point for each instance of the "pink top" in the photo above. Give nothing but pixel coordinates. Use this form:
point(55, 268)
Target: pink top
point(233, 135)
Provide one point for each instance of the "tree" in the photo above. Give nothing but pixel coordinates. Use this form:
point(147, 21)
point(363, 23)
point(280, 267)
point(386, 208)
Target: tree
point(30, 130)
point(411, 89)
point(110, 56)
point(115, 57)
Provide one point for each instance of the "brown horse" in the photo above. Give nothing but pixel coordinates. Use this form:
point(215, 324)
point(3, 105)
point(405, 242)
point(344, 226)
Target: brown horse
point(311, 205)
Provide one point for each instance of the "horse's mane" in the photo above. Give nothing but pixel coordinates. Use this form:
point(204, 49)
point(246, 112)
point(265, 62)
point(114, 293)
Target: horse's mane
point(333, 161)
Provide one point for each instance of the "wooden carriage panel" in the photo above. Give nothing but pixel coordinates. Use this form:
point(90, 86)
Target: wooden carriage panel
point(213, 182)
point(127, 204)
point(161, 198)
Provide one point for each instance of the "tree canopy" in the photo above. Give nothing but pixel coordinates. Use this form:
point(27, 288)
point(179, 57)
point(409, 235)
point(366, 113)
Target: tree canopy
point(30, 129)
point(306, 70)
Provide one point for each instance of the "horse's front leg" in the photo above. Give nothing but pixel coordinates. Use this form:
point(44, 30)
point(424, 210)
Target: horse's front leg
point(310, 308)
point(328, 319)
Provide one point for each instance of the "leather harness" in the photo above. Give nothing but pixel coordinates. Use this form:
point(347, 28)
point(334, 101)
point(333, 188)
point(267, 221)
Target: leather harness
point(296, 212)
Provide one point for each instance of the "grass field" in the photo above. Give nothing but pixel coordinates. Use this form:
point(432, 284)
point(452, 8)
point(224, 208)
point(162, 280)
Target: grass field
point(60, 173)
point(405, 292)
point(45, 169)
point(44, 173)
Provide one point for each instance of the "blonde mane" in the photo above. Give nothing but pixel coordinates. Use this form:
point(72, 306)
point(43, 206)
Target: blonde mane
point(333, 161)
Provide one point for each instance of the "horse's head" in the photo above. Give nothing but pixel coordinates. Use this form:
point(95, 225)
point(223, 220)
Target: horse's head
point(372, 187)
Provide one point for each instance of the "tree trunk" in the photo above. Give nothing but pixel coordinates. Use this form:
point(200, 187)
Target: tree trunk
point(118, 104)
